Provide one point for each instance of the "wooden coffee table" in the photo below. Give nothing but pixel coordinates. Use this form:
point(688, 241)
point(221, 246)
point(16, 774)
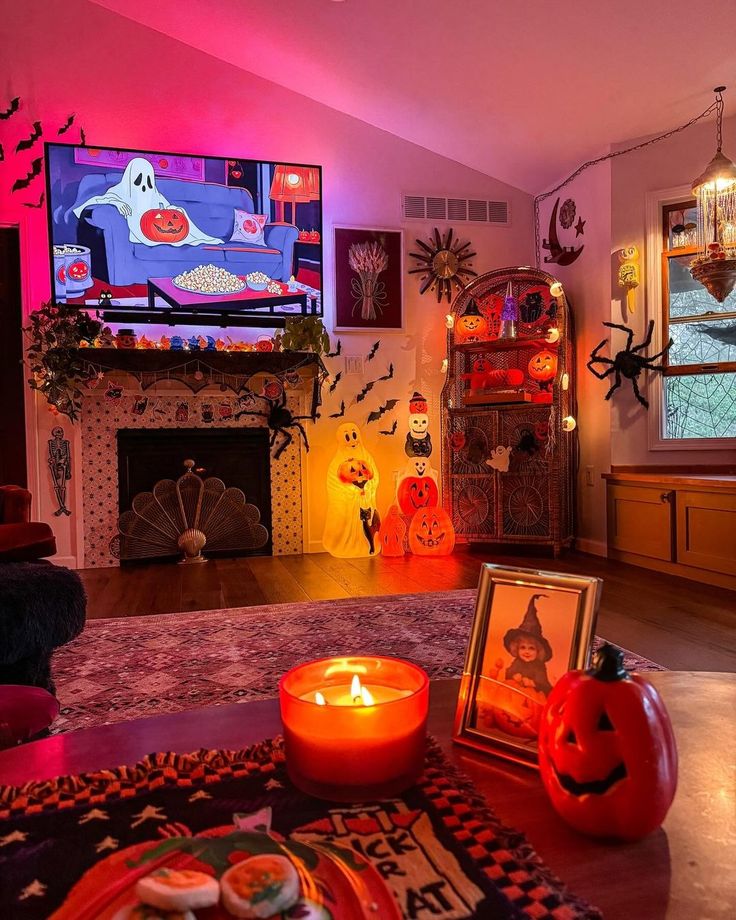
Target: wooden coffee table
point(685, 870)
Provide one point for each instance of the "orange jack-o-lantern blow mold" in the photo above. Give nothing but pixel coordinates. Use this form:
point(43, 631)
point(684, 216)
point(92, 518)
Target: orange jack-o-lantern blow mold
point(472, 326)
point(543, 367)
point(431, 533)
point(417, 492)
point(607, 752)
point(164, 225)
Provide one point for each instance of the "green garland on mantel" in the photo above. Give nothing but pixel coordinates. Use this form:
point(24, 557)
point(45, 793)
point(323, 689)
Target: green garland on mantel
point(59, 368)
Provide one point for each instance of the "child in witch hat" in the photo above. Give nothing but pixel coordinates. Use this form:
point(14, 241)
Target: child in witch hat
point(530, 650)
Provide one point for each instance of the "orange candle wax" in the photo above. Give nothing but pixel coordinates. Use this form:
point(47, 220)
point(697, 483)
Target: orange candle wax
point(354, 728)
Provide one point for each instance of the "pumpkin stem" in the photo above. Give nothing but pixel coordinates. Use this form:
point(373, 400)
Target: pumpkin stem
point(608, 664)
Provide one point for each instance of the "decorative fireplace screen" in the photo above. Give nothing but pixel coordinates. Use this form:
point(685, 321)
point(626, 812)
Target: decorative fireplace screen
point(187, 516)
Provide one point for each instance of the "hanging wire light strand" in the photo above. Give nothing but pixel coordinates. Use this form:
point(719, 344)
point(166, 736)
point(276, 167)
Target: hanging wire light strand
point(716, 106)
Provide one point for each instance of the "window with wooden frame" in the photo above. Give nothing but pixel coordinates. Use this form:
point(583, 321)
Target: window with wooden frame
point(699, 382)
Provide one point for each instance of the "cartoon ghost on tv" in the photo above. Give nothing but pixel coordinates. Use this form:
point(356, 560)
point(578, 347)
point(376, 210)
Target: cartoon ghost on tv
point(151, 218)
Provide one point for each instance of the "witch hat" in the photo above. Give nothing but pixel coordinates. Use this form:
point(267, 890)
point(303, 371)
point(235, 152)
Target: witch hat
point(472, 309)
point(530, 628)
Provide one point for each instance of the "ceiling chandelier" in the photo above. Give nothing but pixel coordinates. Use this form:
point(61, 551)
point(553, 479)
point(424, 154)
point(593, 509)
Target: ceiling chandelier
point(715, 190)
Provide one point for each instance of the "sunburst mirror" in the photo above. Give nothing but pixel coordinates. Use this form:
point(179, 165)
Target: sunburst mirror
point(443, 262)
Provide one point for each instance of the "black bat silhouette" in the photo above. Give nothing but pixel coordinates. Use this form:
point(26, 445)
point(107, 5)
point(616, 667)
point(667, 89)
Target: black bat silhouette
point(82, 137)
point(382, 410)
point(67, 124)
point(372, 353)
point(12, 108)
point(29, 141)
point(391, 430)
point(28, 204)
point(338, 378)
point(365, 391)
point(26, 181)
point(389, 375)
point(336, 352)
point(341, 412)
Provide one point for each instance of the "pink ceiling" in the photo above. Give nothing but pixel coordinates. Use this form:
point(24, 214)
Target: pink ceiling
point(522, 90)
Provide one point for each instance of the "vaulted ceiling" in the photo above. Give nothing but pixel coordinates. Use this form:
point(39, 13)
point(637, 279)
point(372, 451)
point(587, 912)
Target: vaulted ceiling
point(523, 90)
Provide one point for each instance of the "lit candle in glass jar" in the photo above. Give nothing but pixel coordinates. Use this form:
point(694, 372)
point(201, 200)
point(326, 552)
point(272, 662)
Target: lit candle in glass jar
point(354, 728)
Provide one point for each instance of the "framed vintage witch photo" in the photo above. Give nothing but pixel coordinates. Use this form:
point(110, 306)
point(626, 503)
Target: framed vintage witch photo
point(529, 628)
point(368, 280)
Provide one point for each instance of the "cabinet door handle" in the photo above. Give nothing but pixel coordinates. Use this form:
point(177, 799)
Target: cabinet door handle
point(666, 496)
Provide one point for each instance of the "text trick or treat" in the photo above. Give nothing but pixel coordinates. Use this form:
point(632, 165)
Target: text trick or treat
point(352, 520)
point(354, 728)
point(607, 752)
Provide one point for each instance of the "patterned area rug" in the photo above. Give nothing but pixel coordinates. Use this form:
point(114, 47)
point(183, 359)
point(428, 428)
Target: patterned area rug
point(131, 667)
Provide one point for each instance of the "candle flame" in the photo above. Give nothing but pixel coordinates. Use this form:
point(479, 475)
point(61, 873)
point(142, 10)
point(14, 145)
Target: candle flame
point(355, 688)
point(320, 699)
point(366, 696)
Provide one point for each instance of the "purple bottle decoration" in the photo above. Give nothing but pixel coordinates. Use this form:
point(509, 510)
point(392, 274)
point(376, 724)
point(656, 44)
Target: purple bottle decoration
point(509, 315)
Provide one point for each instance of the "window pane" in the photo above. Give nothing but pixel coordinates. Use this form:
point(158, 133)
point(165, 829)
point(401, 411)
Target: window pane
point(683, 228)
point(688, 297)
point(700, 406)
point(705, 342)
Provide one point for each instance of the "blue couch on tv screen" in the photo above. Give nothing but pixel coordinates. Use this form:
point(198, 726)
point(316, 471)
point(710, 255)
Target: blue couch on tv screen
point(210, 206)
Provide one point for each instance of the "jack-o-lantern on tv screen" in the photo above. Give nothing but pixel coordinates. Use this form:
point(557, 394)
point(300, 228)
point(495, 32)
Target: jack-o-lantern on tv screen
point(164, 225)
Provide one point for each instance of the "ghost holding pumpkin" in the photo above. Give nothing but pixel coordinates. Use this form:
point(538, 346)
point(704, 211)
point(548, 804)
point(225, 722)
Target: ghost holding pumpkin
point(352, 520)
point(151, 218)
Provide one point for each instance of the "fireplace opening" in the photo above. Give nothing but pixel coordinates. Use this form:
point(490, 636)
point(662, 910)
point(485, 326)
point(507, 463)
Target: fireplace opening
point(240, 457)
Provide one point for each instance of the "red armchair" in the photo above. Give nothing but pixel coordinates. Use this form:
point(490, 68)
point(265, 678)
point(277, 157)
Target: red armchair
point(22, 540)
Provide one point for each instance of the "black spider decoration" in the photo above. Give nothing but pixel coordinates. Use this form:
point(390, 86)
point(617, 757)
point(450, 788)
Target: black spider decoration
point(628, 363)
point(278, 418)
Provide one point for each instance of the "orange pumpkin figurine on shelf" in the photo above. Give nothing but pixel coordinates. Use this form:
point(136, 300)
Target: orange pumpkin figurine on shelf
point(164, 225)
point(472, 326)
point(393, 532)
point(607, 752)
point(543, 368)
point(431, 533)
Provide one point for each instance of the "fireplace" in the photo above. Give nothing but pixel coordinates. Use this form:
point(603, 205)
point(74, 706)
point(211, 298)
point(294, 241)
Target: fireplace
point(240, 457)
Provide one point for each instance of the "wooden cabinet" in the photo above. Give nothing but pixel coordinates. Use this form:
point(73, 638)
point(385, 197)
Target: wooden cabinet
point(682, 523)
point(507, 460)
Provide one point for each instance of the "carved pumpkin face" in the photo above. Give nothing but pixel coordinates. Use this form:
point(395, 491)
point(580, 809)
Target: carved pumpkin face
point(543, 366)
point(164, 225)
point(417, 492)
point(607, 753)
point(511, 708)
point(393, 531)
point(471, 328)
point(78, 270)
point(354, 472)
point(481, 366)
point(431, 533)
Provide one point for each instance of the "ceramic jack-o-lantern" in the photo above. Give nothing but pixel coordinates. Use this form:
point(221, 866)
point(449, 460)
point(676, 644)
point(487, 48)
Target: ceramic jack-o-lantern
point(355, 472)
point(417, 492)
point(543, 368)
point(472, 326)
point(393, 532)
point(431, 533)
point(164, 225)
point(607, 753)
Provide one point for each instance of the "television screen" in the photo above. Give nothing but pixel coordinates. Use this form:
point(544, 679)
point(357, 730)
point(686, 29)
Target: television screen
point(141, 234)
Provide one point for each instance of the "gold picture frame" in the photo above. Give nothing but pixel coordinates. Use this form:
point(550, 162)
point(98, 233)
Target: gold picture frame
point(525, 620)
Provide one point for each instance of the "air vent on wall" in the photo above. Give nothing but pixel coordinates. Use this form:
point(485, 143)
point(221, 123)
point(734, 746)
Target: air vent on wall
point(458, 210)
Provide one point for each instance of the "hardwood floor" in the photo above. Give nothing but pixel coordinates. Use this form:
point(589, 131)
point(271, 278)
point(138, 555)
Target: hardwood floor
point(681, 624)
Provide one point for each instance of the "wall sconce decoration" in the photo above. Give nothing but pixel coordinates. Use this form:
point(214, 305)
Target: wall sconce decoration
point(444, 262)
point(715, 190)
point(628, 273)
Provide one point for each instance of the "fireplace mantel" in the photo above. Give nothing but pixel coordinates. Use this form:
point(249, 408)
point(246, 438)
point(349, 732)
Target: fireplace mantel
point(195, 369)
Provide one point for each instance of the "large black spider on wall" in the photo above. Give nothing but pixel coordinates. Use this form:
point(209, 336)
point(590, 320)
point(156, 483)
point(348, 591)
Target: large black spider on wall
point(628, 362)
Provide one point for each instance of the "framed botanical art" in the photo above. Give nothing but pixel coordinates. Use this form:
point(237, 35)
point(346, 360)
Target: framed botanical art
point(368, 280)
point(529, 628)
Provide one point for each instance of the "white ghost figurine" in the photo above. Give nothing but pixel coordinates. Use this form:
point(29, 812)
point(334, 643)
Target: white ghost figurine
point(418, 466)
point(134, 195)
point(499, 459)
point(352, 521)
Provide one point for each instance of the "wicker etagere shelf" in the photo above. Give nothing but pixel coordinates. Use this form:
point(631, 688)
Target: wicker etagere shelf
point(533, 502)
